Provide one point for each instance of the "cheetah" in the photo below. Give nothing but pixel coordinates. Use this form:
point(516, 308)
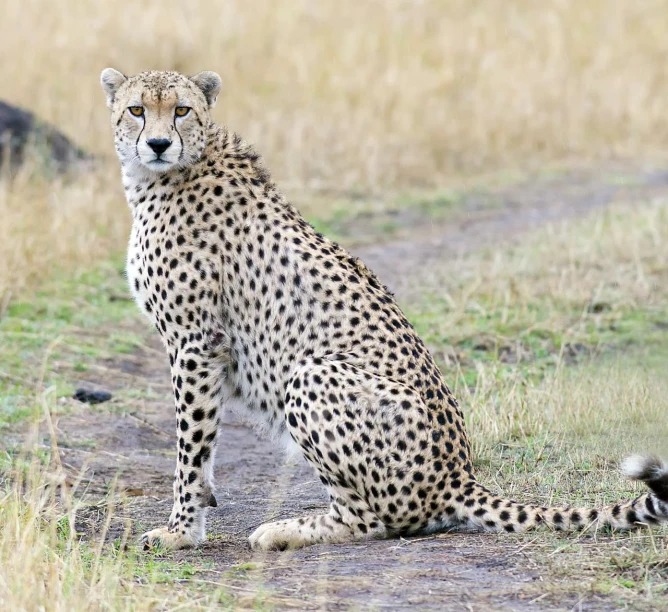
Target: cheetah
point(262, 315)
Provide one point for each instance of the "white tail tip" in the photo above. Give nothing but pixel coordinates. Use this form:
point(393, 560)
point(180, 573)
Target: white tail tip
point(639, 467)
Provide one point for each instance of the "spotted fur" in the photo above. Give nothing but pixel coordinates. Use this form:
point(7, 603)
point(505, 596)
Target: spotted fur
point(260, 313)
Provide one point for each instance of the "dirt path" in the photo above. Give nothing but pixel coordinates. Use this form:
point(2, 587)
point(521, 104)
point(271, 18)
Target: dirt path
point(255, 484)
point(499, 216)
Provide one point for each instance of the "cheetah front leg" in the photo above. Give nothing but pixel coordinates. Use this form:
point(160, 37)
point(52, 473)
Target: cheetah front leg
point(197, 376)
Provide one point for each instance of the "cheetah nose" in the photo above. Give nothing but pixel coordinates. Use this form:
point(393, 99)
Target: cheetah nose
point(159, 145)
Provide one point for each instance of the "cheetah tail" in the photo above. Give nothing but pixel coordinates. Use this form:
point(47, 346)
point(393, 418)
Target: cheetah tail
point(498, 514)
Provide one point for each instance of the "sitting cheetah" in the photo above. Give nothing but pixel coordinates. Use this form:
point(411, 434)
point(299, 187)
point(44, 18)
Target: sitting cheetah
point(261, 314)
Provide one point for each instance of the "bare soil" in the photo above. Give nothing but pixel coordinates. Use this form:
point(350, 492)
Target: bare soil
point(134, 452)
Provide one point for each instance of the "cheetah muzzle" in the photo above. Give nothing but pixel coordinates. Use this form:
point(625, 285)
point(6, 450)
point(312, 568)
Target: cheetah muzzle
point(261, 314)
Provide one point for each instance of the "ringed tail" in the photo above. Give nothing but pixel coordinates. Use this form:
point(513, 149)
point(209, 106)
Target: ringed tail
point(484, 510)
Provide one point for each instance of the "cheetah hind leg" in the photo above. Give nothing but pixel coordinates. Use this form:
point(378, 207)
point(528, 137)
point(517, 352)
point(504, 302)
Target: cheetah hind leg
point(350, 517)
point(335, 527)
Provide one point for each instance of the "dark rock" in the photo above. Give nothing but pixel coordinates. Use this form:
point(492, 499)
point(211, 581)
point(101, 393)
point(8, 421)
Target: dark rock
point(92, 397)
point(23, 136)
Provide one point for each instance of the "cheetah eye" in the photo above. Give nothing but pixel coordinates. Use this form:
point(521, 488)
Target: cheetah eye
point(182, 111)
point(136, 111)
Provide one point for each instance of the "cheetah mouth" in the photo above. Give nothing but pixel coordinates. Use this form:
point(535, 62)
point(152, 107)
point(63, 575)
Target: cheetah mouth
point(158, 163)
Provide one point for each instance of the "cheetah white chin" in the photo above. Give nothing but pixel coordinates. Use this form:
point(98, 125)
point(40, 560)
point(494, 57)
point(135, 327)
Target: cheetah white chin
point(259, 311)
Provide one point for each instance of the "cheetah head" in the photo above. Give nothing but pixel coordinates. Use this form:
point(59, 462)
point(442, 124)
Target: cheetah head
point(160, 119)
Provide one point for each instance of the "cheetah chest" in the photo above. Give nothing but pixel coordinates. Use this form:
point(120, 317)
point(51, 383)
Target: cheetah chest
point(154, 266)
point(135, 270)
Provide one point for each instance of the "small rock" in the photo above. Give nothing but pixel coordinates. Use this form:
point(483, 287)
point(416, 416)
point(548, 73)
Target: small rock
point(91, 397)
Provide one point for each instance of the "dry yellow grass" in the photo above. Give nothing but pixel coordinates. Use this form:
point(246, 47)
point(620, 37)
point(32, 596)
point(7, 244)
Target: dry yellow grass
point(346, 93)
point(58, 226)
point(45, 566)
point(338, 94)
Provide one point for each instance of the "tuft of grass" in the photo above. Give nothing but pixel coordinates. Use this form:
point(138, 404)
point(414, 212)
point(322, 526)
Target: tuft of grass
point(47, 564)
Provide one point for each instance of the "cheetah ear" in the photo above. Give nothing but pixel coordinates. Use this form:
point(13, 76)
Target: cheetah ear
point(111, 80)
point(209, 82)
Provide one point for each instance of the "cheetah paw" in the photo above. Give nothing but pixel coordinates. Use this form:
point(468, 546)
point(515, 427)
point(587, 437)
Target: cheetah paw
point(280, 535)
point(162, 539)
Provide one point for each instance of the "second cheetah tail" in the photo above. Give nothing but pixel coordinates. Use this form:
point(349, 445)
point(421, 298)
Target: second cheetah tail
point(493, 513)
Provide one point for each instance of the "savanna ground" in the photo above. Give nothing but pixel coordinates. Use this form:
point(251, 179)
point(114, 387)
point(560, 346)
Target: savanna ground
point(499, 165)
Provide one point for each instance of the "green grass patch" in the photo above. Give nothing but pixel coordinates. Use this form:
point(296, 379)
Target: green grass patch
point(61, 329)
point(367, 220)
point(529, 340)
